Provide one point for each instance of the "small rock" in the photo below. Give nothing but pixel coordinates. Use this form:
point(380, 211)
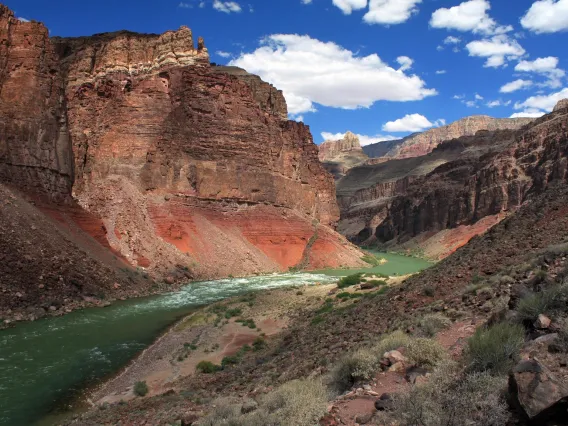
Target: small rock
point(542, 322)
point(41, 286)
point(170, 280)
point(116, 286)
point(18, 294)
point(397, 367)
point(384, 403)
point(367, 387)
point(52, 308)
point(363, 419)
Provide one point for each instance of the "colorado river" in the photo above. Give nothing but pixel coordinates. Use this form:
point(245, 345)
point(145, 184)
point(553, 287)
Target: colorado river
point(44, 364)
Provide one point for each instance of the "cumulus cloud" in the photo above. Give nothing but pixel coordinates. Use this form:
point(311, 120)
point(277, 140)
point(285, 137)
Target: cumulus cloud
point(405, 62)
point(513, 86)
point(468, 16)
point(544, 103)
point(363, 139)
point(546, 16)
point(390, 12)
point(226, 6)
point(545, 66)
point(306, 1)
point(223, 54)
point(348, 6)
point(529, 112)
point(310, 71)
point(497, 49)
point(441, 72)
point(452, 40)
point(411, 123)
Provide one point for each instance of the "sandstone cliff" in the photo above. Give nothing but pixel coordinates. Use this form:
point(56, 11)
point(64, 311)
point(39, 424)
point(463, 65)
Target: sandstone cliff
point(422, 143)
point(341, 155)
point(191, 170)
point(492, 175)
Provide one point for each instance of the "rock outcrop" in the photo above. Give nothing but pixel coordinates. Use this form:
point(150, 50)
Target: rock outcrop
point(338, 156)
point(422, 143)
point(35, 150)
point(492, 175)
point(192, 169)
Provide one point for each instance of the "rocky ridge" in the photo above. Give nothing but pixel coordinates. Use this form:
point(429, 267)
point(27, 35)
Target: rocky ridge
point(341, 155)
point(462, 190)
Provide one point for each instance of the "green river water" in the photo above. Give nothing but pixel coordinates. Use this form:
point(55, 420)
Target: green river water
point(46, 363)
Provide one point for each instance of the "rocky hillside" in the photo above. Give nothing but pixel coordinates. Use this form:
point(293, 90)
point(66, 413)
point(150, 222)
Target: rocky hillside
point(190, 169)
point(419, 144)
point(462, 188)
point(341, 155)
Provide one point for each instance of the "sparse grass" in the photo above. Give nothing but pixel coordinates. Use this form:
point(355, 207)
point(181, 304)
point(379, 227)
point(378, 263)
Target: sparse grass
point(549, 301)
point(429, 291)
point(350, 281)
point(390, 342)
point(140, 389)
point(346, 296)
point(494, 349)
point(451, 399)
point(352, 368)
point(373, 260)
point(296, 403)
point(235, 312)
point(425, 352)
point(247, 323)
point(376, 283)
point(431, 324)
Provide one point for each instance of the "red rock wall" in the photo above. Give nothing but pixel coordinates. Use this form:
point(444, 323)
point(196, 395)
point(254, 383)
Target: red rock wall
point(35, 151)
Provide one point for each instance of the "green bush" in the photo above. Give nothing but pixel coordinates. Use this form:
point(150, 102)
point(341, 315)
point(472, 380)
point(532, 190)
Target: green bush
point(359, 366)
point(140, 389)
point(377, 283)
point(235, 312)
point(207, 367)
point(345, 296)
point(495, 349)
point(451, 399)
point(390, 342)
point(247, 323)
point(258, 344)
point(425, 352)
point(350, 281)
point(429, 291)
point(431, 324)
point(549, 301)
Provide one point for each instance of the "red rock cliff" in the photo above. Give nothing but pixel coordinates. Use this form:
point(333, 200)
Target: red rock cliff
point(189, 166)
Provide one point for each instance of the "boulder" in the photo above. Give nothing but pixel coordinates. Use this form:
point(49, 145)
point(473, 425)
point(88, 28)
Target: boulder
point(542, 322)
point(385, 402)
point(538, 393)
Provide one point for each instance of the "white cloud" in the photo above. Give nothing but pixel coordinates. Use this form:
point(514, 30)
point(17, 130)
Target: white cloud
point(478, 97)
point(311, 71)
point(544, 103)
point(411, 123)
point(348, 6)
point(22, 19)
point(529, 112)
point(439, 72)
point(546, 16)
point(390, 12)
point(459, 97)
point(471, 104)
point(363, 139)
point(452, 40)
point(497, 50)
point(306, 1)
point(498, 102)
point(513, 86)
point(468, 16)
point(299, 118)
point(226, 6)
point(405, 62)
point(546, 66)
point(223, 54)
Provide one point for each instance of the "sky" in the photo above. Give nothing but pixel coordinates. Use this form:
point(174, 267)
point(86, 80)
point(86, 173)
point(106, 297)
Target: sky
point(379, 68)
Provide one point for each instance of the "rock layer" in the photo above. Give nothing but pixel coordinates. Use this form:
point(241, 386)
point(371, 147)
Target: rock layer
point(338, 156)
point(190, 167)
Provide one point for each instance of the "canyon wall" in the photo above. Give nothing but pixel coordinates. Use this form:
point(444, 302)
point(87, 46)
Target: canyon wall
point(338, 156)
point(183, 168)
point(493, 174)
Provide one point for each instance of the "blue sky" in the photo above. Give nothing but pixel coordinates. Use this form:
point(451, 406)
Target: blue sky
point(380, 68)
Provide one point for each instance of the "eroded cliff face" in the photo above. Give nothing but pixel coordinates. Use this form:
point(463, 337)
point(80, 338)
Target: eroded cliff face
point(35, 151)
point(192, 169)
point(465, 191)
point(423, 143)
point(338, 156)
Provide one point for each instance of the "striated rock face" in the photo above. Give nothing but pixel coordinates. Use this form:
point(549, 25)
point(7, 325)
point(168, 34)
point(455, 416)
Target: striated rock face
point(35, 150)
point(423, 143)
point(466, 190)
point(562, 104)
point(190, 167)
point(341, 155)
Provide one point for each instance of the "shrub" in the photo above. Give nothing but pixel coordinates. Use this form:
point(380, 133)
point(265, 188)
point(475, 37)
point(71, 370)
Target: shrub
point(429, 291)
point(451, 399)
point(350, 281)
point(140, 389)
point(258, 344)
point(433, 323)
point(425, 352)
point(353, 368)
point(207, 367)
point(235, 312)
point(390, 342)
point(377, 283)
point(494, 349)
point(548, 301)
